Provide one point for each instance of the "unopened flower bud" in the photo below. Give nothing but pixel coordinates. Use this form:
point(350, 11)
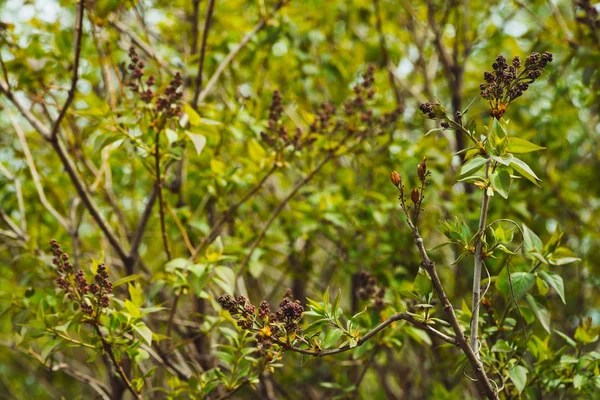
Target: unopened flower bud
point(395, 178)
point(422, 168)
point(414, 196)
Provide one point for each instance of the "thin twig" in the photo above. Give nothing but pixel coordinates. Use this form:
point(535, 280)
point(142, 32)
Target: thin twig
point(216, 228)
point(117, 364)
point(145, 47)
point(75, 77)
point(385, 54)
point(401, 316)
point(476, 296)
point(207, 21)
point(482, 380)
point(35, 175)
point(330, 156)
point(221, 68)
point(161, 205)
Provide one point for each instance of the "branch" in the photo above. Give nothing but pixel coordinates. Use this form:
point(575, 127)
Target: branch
point(77, 44)
point(396, 317)
point(69, 166)
point(20, 201)
point(207, 21)
point(221, 68)
point(331, 155)
point(145, 47)
point(117, 364)
point(161, 206)
point(476, 297)
point(34, 174)
point(483, 382)
point(75, 373)
point(216, 229)
point(385, 54)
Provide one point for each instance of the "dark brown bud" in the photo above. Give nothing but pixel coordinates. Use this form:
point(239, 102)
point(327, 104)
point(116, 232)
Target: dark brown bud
point(395, 178)
point(414, 196)
point(422, 168)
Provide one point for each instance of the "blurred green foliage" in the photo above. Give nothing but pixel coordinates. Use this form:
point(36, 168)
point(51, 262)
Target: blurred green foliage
point(344, 220)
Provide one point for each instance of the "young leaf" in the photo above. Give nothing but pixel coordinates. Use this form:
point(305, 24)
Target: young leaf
point(472, 165)
point(198, 140)
point(518, 376)
point(555, 281)
point(519, 146)
point(215, 250)
point(531, 242)
point(540, 312)
point(501, 182)
point(524, 170)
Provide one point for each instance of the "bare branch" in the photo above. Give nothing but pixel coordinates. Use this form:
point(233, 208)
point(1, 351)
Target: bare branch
point(34, 174)
point(221, 68)
point(330, 156)
point(145, 47)
point(483, 382)
point(75, 77)
point(209, 14)
point(216, 229)
point(396, 317)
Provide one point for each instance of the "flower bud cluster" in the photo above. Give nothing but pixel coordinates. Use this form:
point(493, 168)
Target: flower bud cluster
point(280, 324)
point(276, 134)
point(168, 102)
point(508, 82)
point(369, 289)
point(75, 284)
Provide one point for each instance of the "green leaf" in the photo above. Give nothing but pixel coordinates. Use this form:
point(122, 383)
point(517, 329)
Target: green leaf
point(422, 284)
point(225, 278)
point(473, 165)
point(144, 332)
point(193, 116)
point(518, 376)
point(522, 282)
point(541, 313)
point(171, 136)
point(555, 281)
point(215, 250)
point(256, 151)
point(501, 182)
point(518, 146)
point(136, 295)
point(198, 140)
point(332, 337)
point(524, 170)
point(567, 339)
point(531, 242)
point(128, 278)
point(562, 256)
point(578, 381)
point(502, 346)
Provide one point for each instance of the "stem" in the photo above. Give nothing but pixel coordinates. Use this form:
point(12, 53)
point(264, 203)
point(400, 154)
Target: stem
point(477, 269)
point(116, 363)
point(209, 13)
point(216, 229)
point(161, 206)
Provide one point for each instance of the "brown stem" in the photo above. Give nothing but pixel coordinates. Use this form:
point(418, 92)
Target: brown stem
point(216, 228)
point(207, 21)
point(75, 77)
point(117, 364)
point(229, 57)
point(483, 382)
point(161, 206)
point(396, 317)
point(476, 299)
